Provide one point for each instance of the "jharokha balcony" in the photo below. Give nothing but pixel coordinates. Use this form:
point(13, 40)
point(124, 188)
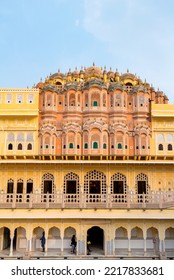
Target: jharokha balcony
point(153, 200)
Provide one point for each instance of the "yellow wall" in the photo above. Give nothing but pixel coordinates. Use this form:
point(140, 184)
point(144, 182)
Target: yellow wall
point(162, 124)
point(17, 118)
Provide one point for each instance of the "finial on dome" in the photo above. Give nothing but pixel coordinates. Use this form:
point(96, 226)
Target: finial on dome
point(93, 64)
point(127, 70)
point(50, 73)
point(81, 67)
point(69, 69)
point(76, 68)
point(58, 70)
point(41, 79)
point(104, 67)
point(110, 68)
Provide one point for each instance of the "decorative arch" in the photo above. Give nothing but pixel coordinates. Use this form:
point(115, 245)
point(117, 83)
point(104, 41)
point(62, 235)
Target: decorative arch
point(54, 232)
point(136, 232)
point(141, 185)
point(72, 99)
point(152, 233)
point(69, 231)
point(20, 240)
point(121, 232)
point(47, 185)
point(71, 183)
point(95, 182)
point(95, 99)
point(118, 184)
point(169, 233)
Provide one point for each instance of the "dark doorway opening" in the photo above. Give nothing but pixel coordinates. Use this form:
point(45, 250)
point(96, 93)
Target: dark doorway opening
point(19, 187)
point(19, 191)
point(71, 186)
point(141, 190)
point(94, 187)
point(141, 187)
point(15, 239)
point(29, 190)
point(29, 187)
point(118, 187)
point(6, 240)
point(48, 186)
point(96, 236)
point(10, 188)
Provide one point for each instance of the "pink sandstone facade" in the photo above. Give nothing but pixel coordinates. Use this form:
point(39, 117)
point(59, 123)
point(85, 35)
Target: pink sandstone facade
point(96, 113)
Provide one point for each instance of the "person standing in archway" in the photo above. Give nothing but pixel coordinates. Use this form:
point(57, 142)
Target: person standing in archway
point(73, 244)
point(43, 241)
point(88, 245)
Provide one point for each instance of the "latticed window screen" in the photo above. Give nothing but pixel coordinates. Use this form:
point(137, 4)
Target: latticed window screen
point(30, 137)
point(19, 98)
point(71, 177)
point(50, 177)
point(8, 98)
point(96, 176)
point(142, 177)
point(20, 137)
point(119, 177)
point(141, 100)
point(30, 98)
point(10, 137)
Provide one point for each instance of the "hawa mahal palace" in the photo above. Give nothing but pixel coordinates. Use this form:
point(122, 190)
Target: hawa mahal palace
point(90, 153)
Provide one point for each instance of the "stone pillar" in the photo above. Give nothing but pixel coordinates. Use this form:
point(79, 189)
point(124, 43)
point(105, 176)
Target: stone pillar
point(162, 241)
point(30, 245)
point(62, 239)
point(46, 242)
point(11, 242)
point(145, 244)
point(129, 242)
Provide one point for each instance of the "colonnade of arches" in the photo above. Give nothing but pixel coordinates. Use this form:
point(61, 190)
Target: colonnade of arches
point(94, 141)
point(94, 182)
point(115, 240)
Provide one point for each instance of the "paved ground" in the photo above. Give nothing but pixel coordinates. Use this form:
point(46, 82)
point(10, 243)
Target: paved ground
point(95, 254)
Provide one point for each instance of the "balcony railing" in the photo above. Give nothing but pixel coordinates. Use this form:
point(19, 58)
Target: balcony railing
point(156, 200)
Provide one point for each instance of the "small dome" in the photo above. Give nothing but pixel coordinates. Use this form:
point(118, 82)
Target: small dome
point(93, 71)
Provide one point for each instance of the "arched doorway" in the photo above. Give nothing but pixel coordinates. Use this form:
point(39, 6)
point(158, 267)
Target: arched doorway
point(96, 236)
point(6, 238)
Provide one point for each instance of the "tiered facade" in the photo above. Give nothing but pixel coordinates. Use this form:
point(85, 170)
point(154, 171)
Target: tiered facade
point(91, 153)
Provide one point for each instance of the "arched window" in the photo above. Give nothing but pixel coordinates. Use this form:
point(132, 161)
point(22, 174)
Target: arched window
point(19, 146)
point(95, 103)
point(169, 147)
point(86, 146)
point(104, 146)
point(71, 145)
point(160, 138)
point(95, 145)
point(119, 146)
point(10, 146)
point(29, 146)
point(160, 147)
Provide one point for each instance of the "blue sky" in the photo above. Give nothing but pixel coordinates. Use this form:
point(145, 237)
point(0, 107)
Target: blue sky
point(38, 37)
